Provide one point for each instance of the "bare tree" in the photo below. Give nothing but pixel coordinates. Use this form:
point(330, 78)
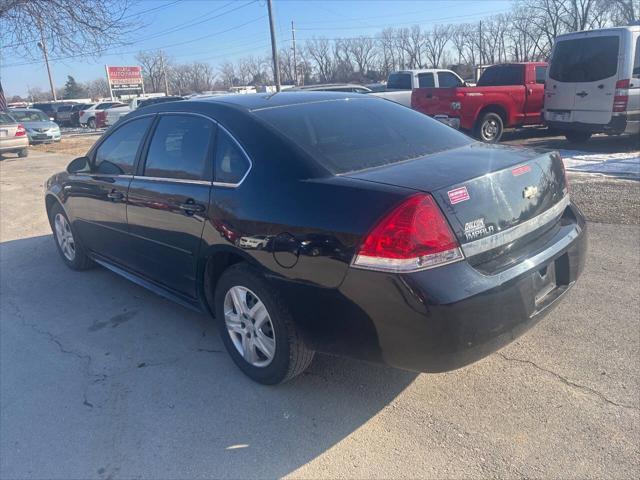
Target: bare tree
point(68, 27)
point(363, 52)
point(152, 71)
point(623, 12)
point(435, 43)
point(97, 88)
point(319, 51)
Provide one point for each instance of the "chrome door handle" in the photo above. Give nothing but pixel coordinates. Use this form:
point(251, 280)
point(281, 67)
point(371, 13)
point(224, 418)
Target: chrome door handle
point(190, 207)
point(115, 195)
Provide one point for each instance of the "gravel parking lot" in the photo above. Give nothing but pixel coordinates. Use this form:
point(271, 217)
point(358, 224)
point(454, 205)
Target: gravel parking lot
point(103, 379)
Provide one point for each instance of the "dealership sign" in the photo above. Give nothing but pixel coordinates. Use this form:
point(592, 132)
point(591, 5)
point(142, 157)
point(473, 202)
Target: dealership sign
point(124, 78)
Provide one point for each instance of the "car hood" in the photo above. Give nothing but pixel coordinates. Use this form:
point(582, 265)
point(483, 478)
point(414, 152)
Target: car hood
point(40, 124)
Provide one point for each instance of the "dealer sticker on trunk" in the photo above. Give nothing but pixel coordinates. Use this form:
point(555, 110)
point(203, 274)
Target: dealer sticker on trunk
point(458, 195)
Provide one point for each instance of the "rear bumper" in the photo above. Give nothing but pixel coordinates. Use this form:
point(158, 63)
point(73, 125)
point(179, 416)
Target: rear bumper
point(443, 318)
point(620, 123)
point(13, 144)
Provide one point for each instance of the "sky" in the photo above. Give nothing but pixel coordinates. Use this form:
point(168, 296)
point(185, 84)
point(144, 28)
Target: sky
point(214, 31)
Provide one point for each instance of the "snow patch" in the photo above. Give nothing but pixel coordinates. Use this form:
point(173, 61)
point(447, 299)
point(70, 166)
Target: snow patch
point(627, 164)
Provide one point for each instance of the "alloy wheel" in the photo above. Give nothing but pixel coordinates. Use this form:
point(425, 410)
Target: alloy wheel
point(490, 129)
point(249, 326)
point(64, 236)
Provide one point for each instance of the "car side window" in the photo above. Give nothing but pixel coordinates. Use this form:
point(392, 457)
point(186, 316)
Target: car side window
point(230, 163)
point(448, 80)
point(180, 148)
point(116, 155)
point(426, 80)
point(636, 63)
point(541, 74)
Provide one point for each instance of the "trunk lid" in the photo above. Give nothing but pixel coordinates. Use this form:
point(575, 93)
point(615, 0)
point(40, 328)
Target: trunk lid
point(483, 190)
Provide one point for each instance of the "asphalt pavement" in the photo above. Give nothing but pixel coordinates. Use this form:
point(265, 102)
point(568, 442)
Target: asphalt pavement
point(101, 379)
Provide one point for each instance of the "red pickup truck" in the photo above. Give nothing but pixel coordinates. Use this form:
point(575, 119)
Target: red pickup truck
point(507, 95)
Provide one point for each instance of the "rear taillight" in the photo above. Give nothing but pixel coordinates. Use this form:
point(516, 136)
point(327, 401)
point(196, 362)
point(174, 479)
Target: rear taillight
point(621, 96)
point(413, 236)
point(20, 131)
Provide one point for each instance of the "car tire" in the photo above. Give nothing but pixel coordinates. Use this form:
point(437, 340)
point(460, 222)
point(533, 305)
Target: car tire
point(91, 123)
point(280, 354)
point(23, 153)
point(67, 241)
point(577, 137)
point(490, 128)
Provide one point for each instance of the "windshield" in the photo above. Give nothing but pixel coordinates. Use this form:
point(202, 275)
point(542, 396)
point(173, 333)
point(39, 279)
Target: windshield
point(354, 134)
point(30, 116)
point(585, 59)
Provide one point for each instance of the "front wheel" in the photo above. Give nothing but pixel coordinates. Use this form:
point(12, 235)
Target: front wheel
point(257, 329)
point(92, 123)
point(577, 137)
point(490, 128)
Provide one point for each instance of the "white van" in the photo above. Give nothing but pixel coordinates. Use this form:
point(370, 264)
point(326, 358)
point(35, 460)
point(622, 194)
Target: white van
point(593, 83)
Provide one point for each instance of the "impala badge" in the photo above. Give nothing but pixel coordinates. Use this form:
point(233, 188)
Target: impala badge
point(530, 192)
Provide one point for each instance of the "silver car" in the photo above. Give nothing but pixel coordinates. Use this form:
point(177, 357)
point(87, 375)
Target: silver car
point(13, 137)
point(39, 128)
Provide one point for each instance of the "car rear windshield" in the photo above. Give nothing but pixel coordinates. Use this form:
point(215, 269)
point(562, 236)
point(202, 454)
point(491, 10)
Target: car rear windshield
point(585, 59)
point(6, 118)
point(399, 81)
point(30, 116)
point(355, 134)
point(501, 75)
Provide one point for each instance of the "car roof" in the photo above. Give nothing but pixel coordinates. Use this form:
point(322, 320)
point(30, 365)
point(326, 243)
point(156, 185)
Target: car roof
point(258, 101)
point(22, 109)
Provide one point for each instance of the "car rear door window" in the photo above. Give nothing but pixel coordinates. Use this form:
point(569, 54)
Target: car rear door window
point(399, 81)
point(180, 148)
point(541, 74)
point(448, 80)
point(230, 163)
point(585, 59)
point(116, 155)
point(425, 80)
point(502, 75)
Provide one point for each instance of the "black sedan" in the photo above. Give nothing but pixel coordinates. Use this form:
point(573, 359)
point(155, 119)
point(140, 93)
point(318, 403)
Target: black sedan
point(328, 222)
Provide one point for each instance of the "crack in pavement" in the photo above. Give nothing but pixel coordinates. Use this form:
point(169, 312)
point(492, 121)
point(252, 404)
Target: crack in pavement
point(53, 339)
point(568, 382)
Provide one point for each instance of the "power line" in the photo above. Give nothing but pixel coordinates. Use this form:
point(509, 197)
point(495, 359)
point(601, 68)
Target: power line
point(104, 52)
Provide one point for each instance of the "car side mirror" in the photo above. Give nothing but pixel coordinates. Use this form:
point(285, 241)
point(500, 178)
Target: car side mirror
point(78, 165)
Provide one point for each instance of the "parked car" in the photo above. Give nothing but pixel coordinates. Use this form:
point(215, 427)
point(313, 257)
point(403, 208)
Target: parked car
point(87, 117)
point(69, 115)
point(593, 85)
point(13, 136)
point(400, 84)
point(334, 87)
point(112, 115)
point(51, 108)
point(331, 222)
point(39, 128)
point(507, 95)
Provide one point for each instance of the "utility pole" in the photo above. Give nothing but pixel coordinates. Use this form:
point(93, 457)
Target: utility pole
point(481, 56)
point(295, 63)
point(43, 47)
point(274, 48)
point(164, 74)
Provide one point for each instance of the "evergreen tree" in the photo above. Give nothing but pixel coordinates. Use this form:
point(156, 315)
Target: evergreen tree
point(73, 89)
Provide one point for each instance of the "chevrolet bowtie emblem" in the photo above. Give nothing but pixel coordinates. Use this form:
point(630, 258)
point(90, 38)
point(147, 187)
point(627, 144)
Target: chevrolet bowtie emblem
point(530, 192)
